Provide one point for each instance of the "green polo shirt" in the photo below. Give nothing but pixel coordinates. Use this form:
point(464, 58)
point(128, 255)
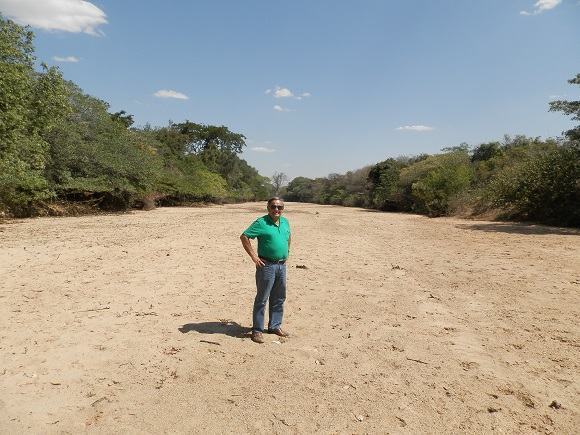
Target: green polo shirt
point(272, 238)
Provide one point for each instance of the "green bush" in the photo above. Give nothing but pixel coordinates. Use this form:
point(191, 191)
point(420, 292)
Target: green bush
point(189, 180)
point(300, 189)
point(435, 181)
point(21, 184)
point(543, 187)
point(385, 192)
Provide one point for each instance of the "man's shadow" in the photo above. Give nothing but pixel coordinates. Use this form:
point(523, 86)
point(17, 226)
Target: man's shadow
point(225, 327)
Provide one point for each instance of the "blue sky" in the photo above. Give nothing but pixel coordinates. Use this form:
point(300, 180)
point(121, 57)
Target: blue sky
point(321, 86)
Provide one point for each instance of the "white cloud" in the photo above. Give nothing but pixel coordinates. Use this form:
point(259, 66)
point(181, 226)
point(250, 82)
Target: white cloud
point(545, 5)
point(168, 93)
point(542, 6)
point(65, 15)
point(263, 149)
point(282, 92)
point(415, 128)
point(281, 109)
point(69, 59)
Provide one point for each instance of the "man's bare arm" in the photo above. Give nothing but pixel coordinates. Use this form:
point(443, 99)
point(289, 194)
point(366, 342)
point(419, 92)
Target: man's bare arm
point(250, 250)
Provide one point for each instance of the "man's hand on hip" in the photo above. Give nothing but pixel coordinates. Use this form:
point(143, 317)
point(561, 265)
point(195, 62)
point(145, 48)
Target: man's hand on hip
point(258, 261)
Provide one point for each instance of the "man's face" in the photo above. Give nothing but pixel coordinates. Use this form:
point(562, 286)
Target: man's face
point(275, 209)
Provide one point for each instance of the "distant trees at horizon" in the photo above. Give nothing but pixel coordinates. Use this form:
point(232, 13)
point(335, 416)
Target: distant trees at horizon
point(520, 178)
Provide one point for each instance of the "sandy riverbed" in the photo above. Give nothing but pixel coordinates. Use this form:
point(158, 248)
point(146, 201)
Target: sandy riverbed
point(137, 323)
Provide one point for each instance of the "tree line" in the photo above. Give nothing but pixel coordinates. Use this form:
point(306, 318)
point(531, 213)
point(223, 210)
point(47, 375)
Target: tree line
point(61, 148)
point(520, 178)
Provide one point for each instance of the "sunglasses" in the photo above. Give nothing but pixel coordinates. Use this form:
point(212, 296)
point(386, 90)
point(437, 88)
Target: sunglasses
point(276, 207)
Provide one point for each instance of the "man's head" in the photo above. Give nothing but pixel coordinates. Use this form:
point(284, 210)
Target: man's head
point(275, 208)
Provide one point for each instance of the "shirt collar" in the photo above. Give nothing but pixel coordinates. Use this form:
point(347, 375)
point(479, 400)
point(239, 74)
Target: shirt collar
point(271, 221)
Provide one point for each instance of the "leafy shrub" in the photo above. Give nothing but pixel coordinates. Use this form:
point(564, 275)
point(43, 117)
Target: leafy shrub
point(543, 187)
point(385, 192)
point(189, 180)
point(436, 180)
point(21, 185)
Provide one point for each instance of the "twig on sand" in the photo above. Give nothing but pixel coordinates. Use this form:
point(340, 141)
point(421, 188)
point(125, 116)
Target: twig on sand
point(282, 420)
point(417, 360)
point(96, 402)
point(93, 309)
point(210, 342)
point(143, 313)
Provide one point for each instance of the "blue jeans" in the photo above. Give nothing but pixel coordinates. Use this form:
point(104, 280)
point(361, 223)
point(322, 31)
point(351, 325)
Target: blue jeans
point(271, 284)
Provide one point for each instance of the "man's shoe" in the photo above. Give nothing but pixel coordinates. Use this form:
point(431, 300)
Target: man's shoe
point(278, 332)
point(257, 337)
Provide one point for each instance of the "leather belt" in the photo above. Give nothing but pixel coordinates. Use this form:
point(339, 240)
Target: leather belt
point(267, 260)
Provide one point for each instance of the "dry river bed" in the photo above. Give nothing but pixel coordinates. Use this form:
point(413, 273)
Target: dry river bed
point(138, 323)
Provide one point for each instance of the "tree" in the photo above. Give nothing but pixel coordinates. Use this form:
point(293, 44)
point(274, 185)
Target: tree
point(569, 108)
point(16, 68)
point(93, 154)
point(300, 189)
point(31, 105)
point(435, 181)
point(543, 187)
point(278, 180)
point(172, 143)
point(462, 147)
point(485, 151)
point(201, 137)
point(383, 185)
point(123, 117)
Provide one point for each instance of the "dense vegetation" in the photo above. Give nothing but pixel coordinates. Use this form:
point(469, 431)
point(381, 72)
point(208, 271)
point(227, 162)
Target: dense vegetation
point(61, 146)
point(518, 178)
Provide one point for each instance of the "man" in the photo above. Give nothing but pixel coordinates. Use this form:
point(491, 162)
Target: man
point(273, 233)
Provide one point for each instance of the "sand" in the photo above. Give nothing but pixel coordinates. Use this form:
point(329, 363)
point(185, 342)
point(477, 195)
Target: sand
point(137, 323)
